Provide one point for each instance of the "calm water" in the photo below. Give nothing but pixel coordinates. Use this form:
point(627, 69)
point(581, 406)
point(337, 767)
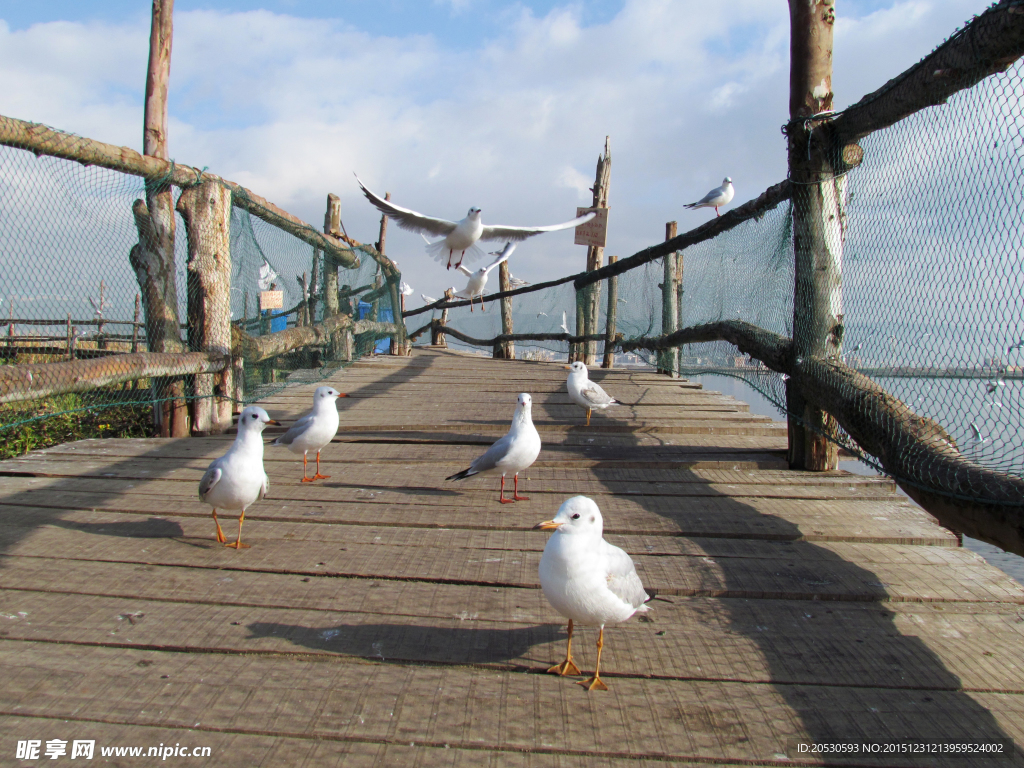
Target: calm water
point(1010, 564)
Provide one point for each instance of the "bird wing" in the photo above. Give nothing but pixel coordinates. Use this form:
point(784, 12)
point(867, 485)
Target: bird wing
point(593, 393)
point(464, 271)
point(490, 458)
point(503, 256)
point(295, 430)
point(622, 578)
point(502, 232)
point(714, 194)
point(210, 479)
point(265, 487)
point(406, 218)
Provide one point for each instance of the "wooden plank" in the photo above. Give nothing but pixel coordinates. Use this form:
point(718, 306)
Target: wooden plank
point(476, 707)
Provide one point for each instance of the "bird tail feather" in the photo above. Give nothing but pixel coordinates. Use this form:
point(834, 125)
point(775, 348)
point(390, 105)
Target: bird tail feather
point(467, 472)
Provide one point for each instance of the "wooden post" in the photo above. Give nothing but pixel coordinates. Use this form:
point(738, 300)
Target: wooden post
point(437, 337)
point(302, 316)
point(206, 209)
point(101, 343)
point(10, 326)
point(332, 306)
point(818, 222)
point(71, 339)
point(613, 308)
point(595, 257)
point(668, 358)
point(135, 323)
point(505, 350)
point(383, 228)
point(315, 286)
point(152, 257)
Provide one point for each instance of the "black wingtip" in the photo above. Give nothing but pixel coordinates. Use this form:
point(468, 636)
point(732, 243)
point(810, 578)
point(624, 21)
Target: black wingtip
point(461, 475)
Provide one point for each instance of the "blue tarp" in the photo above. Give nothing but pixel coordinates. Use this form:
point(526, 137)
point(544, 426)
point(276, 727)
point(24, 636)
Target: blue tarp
point(383, 316)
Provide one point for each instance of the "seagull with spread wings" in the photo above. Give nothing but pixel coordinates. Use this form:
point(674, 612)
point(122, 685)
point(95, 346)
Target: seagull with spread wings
point(478, 280)
point(460, 236)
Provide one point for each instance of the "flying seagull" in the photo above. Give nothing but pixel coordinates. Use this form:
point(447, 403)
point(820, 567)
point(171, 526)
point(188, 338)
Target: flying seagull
point(478, 280)
point(460, 236)
point(716, 198)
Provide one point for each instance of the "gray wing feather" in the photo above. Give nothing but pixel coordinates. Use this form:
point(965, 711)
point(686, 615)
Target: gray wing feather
point(407, 218)
point(494, 454)
point(295, 430)
point(594, 394)
point(210, 479)
point(622, 578)
point(515, 234)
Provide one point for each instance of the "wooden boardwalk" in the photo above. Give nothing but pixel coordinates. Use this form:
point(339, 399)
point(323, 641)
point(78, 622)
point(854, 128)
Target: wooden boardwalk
point(386, 617)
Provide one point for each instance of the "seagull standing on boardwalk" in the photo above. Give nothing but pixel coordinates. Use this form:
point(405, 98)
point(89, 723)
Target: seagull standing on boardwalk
point(314, 430)
point(586, 579)
point(237, 479)
point(586, 393)
point(478, 280)
point(460, 236)
point(716, 198)
point(516, 451)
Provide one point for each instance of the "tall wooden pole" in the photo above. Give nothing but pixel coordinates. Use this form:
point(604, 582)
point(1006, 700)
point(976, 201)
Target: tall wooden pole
point(153, 257)
point(818, 222)
point(595, 255)
point(505, 350)
point(332, 305)
point(610, 319)
point(668, 358)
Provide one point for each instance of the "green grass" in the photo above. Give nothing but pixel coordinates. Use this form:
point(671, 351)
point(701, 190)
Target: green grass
point(66, 418)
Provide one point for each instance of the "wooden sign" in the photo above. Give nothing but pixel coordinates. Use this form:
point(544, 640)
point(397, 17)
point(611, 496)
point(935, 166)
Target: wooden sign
point(595, 231)
point(271, 300)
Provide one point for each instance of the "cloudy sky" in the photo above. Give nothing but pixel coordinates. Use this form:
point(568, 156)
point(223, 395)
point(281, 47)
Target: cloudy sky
point(453, 103)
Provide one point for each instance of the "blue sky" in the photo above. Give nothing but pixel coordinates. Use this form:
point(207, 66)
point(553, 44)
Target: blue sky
point(503, 105)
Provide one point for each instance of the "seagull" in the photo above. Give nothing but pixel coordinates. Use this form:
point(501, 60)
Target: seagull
point(237, 479)
point(404, 288)
point(478, 280)
point(565, 323)
point(313, 430)
point(516, 451)
point(1018, 345)
point(515, 282)
point(460, 235)
point(716, 198)
point(586, 579)
point(586, 393)
point(267, 276)
point(978, 437)
point(427, 299)
point(992, 386)
point(542, 314)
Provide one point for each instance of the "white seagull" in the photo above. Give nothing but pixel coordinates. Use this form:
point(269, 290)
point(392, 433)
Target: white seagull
point(586, 579)
point(314, 430)
point(516, 451)
point(586, 393)
point(237, 479)
point(565, 324)
point(515, 282)
point(478, 280)
point(460, 236)
point(716, 198)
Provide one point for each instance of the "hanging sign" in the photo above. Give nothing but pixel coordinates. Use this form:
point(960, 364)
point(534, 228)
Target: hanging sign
point(595, 231)
point(271, 300)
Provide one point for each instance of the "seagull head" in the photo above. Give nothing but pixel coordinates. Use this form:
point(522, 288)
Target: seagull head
point(254, 419)
point(577, 368)
point(473, 214)
point(525, 401)
point(578, 516)
point(326, 393)
point(726, 180)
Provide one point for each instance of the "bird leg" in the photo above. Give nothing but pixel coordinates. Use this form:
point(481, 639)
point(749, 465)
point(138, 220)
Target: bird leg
point(317, 476)
point(304, 478)
point(716, 211)
point(482, 303)
point(592, 683)
point(449, 259)
point(239, 545)
point(567, 667)
point(501, 497)
point(515, 492)
point(460, 259)
point(588, 417)
point(220, 533)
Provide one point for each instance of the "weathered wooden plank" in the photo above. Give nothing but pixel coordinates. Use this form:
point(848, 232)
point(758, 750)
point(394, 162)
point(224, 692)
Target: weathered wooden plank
point(477, 707)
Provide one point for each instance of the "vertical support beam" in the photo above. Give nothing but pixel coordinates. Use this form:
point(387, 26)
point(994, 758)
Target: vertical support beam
point(613, 310)
point(437, 337)
point(506, 350)
point(595, 257)
point(818, 221)
point(206, 209)
point(101, 341)
point(152, 257)
point(668, 358)
point(71, 339)
point(332, 226)
point(135, 324)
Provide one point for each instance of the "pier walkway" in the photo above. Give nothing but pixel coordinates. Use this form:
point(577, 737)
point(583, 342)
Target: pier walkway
point(386, 617)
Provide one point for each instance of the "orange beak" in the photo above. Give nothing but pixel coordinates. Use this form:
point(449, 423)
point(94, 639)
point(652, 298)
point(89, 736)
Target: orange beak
point(275, 423)
point(547, 525)
point(567, 367)
point(342, 394)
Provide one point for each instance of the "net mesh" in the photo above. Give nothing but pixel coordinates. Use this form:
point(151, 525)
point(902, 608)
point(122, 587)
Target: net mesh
point(70, 293)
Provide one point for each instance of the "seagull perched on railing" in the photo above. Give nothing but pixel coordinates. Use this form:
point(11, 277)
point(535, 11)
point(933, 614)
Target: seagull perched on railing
point(716, 198)
point(478, 280)
point(462, 235)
